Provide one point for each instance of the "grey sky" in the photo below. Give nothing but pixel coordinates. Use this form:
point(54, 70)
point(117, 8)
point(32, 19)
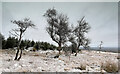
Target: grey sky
point(101, 16)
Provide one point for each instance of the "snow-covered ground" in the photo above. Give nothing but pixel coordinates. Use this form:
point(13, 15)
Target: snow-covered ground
point(44, 61)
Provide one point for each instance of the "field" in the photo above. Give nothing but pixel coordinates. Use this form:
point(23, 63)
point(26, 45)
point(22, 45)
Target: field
point(44, 61)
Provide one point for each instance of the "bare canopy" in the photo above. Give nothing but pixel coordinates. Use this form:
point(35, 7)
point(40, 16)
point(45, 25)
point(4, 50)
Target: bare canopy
point(78, 35)
point(58, 27)
point(22, 25)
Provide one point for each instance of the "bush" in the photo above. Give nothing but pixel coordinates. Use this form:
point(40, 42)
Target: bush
point(46, 46)
point(36, 46)
point(109, 66)
point(82, 67)
point(34, 49)
point(10, 43)
point(118, 57)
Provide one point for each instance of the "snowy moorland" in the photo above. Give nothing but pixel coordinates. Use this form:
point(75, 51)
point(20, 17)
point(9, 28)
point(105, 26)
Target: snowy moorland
point(44, 61)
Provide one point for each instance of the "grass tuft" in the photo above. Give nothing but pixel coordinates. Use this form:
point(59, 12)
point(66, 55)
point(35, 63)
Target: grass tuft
point(110, 67)
point(82, 67)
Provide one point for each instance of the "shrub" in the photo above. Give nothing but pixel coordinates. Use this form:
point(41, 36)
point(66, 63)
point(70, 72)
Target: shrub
point(34, 49)
point(109, 66)
point(10, 43)
point(81, 67)
point(118, 57)
point(36, 46)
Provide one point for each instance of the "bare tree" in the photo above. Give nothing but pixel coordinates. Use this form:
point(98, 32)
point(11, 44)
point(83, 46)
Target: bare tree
point(78, 37)
point(101, 43)
point(58, 27)
point(22, 25)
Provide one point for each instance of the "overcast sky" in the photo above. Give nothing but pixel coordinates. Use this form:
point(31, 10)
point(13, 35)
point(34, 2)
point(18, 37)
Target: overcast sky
point(101, 16)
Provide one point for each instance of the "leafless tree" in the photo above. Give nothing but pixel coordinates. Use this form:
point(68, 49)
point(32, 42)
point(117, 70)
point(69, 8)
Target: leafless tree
point(22, 25)
point(58, 27)
point(101, 43)
point(78, 37)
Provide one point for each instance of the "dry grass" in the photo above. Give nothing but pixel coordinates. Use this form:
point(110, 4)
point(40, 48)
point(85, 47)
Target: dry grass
point(81, 67)
point(66, 69)
point(8, 51)
point(110, 66)
point(36, 55)
point(118, 57)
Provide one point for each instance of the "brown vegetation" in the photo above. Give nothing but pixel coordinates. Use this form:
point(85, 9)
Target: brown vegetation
point(110, 66)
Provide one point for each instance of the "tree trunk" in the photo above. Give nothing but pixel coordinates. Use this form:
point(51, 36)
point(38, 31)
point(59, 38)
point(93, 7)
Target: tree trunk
point(59, 48)
point(76, 52)
point(18, 47)
point(16, 54)
point(77, 48)
point(20, 55)
point(59, 51)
